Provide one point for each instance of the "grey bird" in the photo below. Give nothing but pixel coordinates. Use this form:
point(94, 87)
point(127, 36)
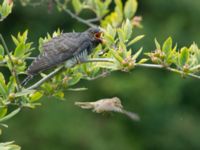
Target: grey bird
point(67, 46)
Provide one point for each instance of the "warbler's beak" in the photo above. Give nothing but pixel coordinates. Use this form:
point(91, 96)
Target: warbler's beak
point(98, 36)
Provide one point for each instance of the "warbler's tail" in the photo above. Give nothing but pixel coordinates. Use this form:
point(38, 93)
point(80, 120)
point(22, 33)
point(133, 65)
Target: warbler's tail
point(26, 80)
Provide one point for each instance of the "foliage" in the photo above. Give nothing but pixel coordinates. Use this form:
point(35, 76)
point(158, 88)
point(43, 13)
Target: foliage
point(9, 146)
point(5, 9)
point(116, 54)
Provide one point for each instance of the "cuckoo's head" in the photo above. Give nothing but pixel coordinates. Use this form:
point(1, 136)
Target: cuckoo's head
point(95, 35)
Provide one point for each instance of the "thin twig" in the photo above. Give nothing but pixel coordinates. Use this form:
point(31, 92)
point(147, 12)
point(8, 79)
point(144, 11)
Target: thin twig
point(13, 69)
point(183, 73)
point(150, 65)
point(31, 58)
point(36, 85)
point(102, 75)
point(2, 62)
point(93, 20)
point(76, 89)
point(88, 23)
point(169, 69)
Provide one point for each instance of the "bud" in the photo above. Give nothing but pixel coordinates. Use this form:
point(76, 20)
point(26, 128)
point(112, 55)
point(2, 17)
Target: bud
point(137, 21)
point(11, 96)
point(186, 68)
point(65, 81)
point(19, 62)
point(15, 60)
point(155, 60)
point(10, 2)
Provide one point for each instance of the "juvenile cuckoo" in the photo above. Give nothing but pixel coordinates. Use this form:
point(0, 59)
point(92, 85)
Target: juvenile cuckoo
point(67, 46)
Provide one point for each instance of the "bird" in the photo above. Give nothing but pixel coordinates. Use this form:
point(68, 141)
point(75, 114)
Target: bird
point(108, 105)
point(74, 46)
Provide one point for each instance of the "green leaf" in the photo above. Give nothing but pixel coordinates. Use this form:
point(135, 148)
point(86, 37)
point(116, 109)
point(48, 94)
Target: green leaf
point(130, 8)
point(20, 50)
point(167, 46)
point(24, 93)
point(10, 115)
point(59, 94)
point(127, 27)
point(1, 50)
point(75, 79)
point(136, 39)
point(116, 55)
point(158, 47)
point(119, 5)
point(35, 96)
point(135, 56)
point(77, 6)
point(122, 36)
point(3, 87)
point(119, 10)
point(15, 40)
point(3, 111)
point(111, 31)
point(184, 56)
point(11, 85)
point(5, 10)
point(9, 146)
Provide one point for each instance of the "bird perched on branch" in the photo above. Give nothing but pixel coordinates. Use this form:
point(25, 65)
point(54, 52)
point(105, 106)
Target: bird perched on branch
point(67, 46)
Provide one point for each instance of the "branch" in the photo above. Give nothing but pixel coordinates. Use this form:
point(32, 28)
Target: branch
point(102, 75)
point(86, 22)
point(169, 69)
point(93, 20)
point(13, 69)
point(36, 85)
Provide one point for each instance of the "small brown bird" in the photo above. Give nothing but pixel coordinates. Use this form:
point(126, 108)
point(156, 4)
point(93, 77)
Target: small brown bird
point(107, 105)
point(67, 46)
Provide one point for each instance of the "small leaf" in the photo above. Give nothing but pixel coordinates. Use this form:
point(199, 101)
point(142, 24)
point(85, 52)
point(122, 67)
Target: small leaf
point(121, 34)
point(35, 96)
point(184, 56)
point(143, 61)
point(158, 47)
point(130, 8)
point(20, 50)
point(75, 79)
point(77, 6)
point(136, 39)
point(135, 56)
point(15, 40)
point(59, 94)
point(167, 46)
point(3, 87)
point(116, 55)
point(1, 50)
point(127, 29)
point(3, 111)
point(24, 93)
point(10, 115)
point(9, 146)
point(111, 31)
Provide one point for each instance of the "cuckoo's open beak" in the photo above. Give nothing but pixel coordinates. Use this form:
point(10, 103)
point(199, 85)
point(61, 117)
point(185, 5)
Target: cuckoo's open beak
point(98, 36)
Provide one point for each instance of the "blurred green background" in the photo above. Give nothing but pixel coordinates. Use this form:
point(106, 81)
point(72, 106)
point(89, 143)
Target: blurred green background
point(168, 104)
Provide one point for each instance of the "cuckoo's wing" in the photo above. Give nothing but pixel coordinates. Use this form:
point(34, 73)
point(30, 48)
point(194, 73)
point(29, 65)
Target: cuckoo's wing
point(55, 51)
